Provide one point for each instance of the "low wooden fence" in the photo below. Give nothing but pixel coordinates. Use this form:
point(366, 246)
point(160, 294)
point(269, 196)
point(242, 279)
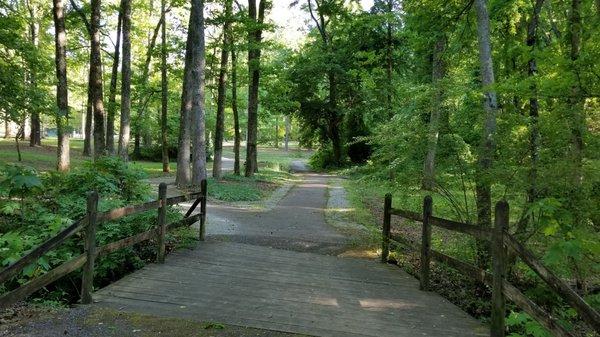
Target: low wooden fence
point(89, 224)
point(500, 241)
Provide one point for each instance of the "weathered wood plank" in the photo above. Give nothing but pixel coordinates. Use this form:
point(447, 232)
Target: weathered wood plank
point(40, 250)
point(126, 242)
point(185, 221)
point(162, 222)
point(497, 324)
point(426, 244)
point(36, 284)
point(476, 231)
point(87, 278)
point(385, 242)
point(586, 312)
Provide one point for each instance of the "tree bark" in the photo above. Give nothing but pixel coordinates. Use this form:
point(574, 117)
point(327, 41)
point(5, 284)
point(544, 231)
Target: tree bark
point(164, 90)
point(96, 81)
point(221, 93)
point(438, 74)
point(236, 116)
point(487, 146)
point(89, 117)
point(254, 53)
point(197, 91)
point(112, 104)
point(192, 97)
point(62, 93)
point(35, 136)
point(125, 129)
point(287, 132)
point(389, 59)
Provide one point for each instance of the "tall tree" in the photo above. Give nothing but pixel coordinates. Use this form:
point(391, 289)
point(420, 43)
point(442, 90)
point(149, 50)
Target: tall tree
point(89, 117)
point(164, 89)
point(490, 105)
point(438, 73)
point(35, 137)
point(254, 53)
point(237, 138)
point(222, 92)
point(125, 128)
point(112, 94)
point(62, 93)
point(197, 92)
point(192, 103)
point(96, 81)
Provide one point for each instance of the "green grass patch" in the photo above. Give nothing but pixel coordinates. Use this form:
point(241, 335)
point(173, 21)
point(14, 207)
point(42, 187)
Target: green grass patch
point(238, 188)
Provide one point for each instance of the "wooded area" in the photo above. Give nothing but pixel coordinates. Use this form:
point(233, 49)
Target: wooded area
point(470, 101)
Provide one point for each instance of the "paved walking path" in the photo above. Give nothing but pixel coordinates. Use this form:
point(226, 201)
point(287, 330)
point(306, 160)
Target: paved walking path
point(277, 270)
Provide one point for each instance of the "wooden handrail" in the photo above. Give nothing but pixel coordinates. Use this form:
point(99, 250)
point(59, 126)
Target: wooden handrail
point(92, 252)
point(499, 237)
point(40, 250)
point(588, 313)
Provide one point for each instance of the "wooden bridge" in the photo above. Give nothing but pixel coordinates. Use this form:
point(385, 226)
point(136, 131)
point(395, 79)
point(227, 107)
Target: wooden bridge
point(298, 292)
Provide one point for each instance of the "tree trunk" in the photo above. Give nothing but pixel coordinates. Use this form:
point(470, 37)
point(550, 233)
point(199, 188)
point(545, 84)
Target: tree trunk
point(438, 73)
point(236, 116)
point(197, 92)
point(276, 132)
point(164, 90)
point(254, 52)
point(112, 104)
point(62, 93)
point(125, 129)
point(192, 100)
point(487, 145)
point(287, 132)
point(141, 105)
point(334, 120)
point(96, 81)
point(35, 136)
point(389, 59)
point(89, 117)
point(221, 94)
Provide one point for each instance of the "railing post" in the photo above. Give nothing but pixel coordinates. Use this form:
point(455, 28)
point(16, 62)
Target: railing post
point(385, 237)
point(426, 243)
point(87, 280)
point(203, 193)
point(497, 326)
point(162, 222)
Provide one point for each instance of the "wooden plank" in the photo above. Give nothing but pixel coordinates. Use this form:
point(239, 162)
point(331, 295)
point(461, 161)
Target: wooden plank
point(40, 250)
point(497, 321)
point(476, 231)
point(587, 313)
point(126, 242)
point(426, 244)
point(87, 279)
point(118, 213)
point(385, 240)
point(36, 284)
point(204, 193)
point(162, 222)
point(185, 222)
point(193, 207)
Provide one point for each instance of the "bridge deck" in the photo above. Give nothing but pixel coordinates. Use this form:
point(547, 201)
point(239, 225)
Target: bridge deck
point(305, 293)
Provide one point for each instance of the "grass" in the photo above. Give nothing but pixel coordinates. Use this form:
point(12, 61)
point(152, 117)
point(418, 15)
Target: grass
point(238, 188)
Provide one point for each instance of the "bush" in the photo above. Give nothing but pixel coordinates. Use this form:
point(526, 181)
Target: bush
point(47, 203)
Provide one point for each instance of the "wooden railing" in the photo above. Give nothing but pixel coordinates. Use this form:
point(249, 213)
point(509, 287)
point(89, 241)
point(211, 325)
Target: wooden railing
point(89, 223)
point(500, 241)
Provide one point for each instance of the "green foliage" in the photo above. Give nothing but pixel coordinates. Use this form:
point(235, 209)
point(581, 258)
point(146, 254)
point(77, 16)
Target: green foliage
point(522, 325)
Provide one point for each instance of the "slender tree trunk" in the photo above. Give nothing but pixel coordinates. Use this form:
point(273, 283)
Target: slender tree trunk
point(287, 132)
point(197, 86)
point(534, 131)
point(438, 74)
point(89, 117)
point(35, 136)
point(389, 59)
point(254, 53)
point(488, 145)
point(192, 100)
point(144, 84)
point(96, 81)
point(276, 132)
point(236, 116)
point(334, 120)
point(125, 129)
point(62, 93)
point(112, 95)
point(575, 109)
point(221, 94)
point(165, 90)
